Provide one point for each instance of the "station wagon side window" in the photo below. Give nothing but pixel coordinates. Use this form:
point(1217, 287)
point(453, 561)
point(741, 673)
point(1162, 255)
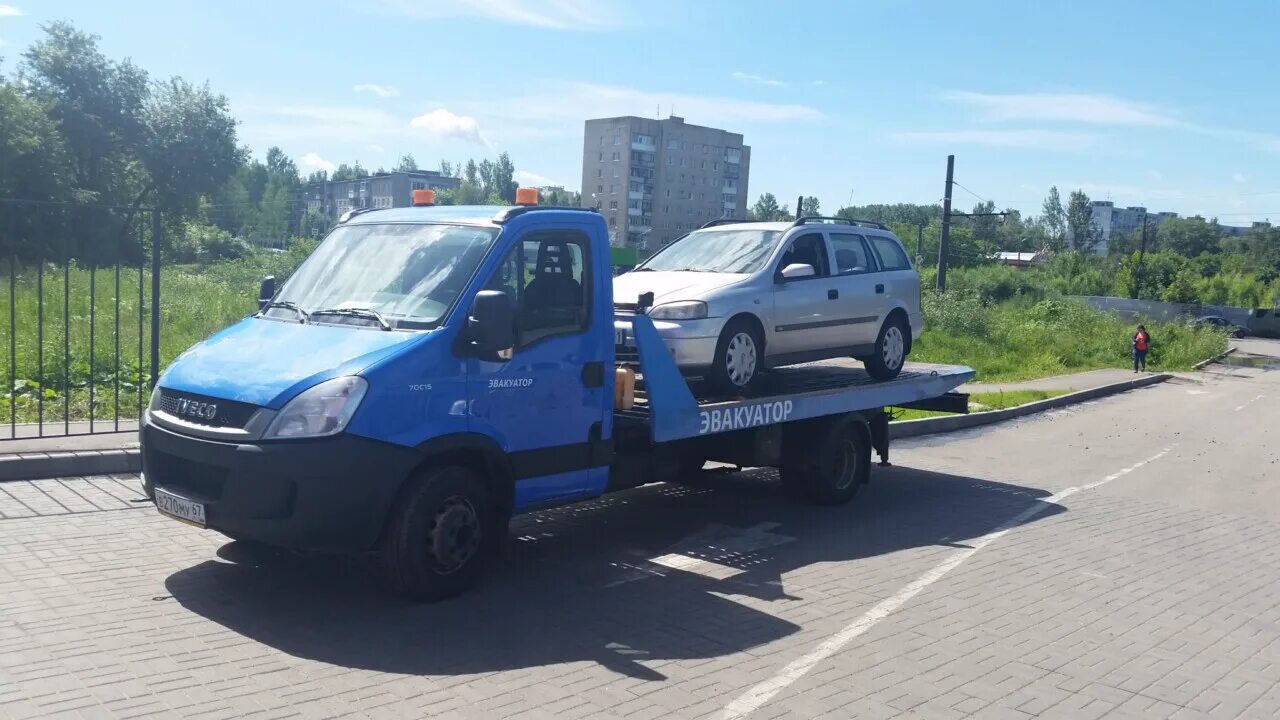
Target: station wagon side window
point(808, 249)
point(890, 253)
point(852, 254)
point(547, 276)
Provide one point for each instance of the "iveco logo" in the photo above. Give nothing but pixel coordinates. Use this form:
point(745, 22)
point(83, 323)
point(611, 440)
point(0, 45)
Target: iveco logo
point(200, 410)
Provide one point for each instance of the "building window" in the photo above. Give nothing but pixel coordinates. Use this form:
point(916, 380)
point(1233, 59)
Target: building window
point(613, 222)
point(601, 157)
point(641, 139)
point(670, 160)
point(668, 193)
point(681, 177)
point(616, 156)
point(615, 171)
point(600, 172)
point(673, 144)
point(617, 139)
point(600, 189)
point(612, 189)
point(681, 162)
point(715, 166)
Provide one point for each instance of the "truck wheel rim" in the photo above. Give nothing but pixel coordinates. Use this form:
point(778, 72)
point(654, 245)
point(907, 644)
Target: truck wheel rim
point(454, 535)
point(740, 359)
point(845, 466)
point(893, 347)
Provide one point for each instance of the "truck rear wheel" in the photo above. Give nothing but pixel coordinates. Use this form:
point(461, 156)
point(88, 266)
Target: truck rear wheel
point(442, 531)
point(829, 466)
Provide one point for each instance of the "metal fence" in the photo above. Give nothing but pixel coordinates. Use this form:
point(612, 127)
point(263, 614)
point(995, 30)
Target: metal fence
point(81, 332)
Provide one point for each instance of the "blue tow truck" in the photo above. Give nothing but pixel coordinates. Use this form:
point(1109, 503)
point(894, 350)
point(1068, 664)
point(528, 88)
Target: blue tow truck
point(429, 372)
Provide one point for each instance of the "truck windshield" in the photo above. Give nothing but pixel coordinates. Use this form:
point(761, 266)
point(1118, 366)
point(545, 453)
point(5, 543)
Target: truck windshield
point(408, 275)
point(726, 251)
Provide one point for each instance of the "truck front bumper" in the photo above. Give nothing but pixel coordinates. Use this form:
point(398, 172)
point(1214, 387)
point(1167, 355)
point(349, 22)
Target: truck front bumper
point(325, 494)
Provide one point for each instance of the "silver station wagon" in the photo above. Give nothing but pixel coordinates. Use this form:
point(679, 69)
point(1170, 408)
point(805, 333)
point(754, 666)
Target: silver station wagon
point(733, 299)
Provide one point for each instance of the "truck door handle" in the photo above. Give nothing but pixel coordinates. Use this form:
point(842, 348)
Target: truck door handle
point(833, 294)
point(879, 288)
point(593, 374)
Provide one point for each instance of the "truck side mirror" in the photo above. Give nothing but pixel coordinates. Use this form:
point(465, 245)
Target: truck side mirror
point(796, 270)
point(266, 291)
point(491, 326)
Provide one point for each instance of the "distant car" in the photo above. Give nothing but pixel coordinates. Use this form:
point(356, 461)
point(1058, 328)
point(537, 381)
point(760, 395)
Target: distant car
point(1220, 322)
point(732, 299)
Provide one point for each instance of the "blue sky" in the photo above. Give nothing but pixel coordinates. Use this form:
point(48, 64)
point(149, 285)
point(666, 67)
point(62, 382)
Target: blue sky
point(1172, 105)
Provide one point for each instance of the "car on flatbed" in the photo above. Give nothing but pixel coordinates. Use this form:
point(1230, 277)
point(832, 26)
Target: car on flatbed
point(735, 298)
point(429, 372)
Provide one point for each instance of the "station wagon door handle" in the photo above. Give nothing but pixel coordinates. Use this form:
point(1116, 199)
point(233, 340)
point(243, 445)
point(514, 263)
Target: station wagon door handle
point(833, 294)
point(879, 288)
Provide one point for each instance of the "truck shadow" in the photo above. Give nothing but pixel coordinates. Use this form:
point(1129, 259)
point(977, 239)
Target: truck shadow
point(580, 583)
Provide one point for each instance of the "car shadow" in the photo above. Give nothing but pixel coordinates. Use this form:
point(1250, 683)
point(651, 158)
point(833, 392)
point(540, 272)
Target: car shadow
point(581, 583)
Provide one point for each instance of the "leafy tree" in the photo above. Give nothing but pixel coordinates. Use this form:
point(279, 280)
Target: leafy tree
point(349, 172)
point(407, 163)
point(1190, 236)
point(1182, 289)
point(448, 169)
point(1080, 228)
point(282, 166)
point(318, 176)
point(810, 207)
point(901, 213)
point(190, 147)
point(767, 208)
point(1054, 219)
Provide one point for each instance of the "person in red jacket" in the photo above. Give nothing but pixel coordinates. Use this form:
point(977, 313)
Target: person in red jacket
point(1141, 343)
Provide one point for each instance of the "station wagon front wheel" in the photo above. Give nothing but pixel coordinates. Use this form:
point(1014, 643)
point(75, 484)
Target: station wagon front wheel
point(739, 354)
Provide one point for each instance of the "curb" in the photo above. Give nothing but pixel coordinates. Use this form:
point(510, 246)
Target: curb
point(37, 466)
point(1213, 359)
point(930, 426)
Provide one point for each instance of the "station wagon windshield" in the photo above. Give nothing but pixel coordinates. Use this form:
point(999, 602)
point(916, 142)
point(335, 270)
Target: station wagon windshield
point(724, 251)
point(407, 276)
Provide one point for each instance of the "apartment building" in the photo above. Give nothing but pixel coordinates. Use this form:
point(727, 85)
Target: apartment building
point(385, 190)
point(1108, 219)
point(656, 179)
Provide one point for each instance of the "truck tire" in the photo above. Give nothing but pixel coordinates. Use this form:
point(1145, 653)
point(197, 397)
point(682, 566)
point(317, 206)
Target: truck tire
point(739, 358)
point(830, 466)
point(892, 345)
point(442, 530)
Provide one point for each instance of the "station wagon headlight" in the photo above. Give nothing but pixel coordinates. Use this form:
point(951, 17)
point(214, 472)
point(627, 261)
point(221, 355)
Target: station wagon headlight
point(319, 411)
point(685, 310)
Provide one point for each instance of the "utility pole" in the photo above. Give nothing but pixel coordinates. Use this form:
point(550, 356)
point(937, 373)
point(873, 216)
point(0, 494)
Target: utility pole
point(1137, 270)
point(945, 243)
point(919, 244)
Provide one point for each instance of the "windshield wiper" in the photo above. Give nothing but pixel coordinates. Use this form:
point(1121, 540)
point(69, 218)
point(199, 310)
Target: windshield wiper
point(368, 313)
point(288, 305)
point(643, 269)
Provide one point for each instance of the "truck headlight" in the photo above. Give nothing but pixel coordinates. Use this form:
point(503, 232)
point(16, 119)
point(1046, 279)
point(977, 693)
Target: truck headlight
point(319, 411)
point(684, 310)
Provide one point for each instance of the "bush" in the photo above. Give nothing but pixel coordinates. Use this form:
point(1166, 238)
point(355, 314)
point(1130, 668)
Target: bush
point(996, 283)
point(200, 243)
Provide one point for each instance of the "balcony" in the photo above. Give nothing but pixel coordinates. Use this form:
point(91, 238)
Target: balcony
point(643, 146)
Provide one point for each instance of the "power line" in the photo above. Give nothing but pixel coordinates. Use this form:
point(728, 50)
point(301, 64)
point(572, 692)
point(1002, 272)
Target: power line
point(953, 182)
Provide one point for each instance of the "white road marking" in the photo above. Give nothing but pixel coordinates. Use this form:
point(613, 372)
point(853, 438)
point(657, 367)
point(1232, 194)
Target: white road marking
point(753, 699)
point(1250, 403)
point(716, 552)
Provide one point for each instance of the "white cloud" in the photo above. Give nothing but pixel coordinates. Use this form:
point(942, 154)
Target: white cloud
point(1037, 139)
point(548, 14)
point(382, 91)
point(576, 101)
point(312, 161)
point(10, 11)
point(1063, 107)
point(444, 124)
point(1240, 178)
point(759, 79)
point(267, 123)
point(531, 179)
point(375, 148)
point(818, 83)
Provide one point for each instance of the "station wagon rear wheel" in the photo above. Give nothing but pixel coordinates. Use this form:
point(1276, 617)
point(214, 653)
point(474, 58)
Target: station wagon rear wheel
point(890, 353)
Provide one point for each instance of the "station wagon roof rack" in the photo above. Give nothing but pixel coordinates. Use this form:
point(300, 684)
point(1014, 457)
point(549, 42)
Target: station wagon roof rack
point(821, 220)
point(354, 212)
point(725, 221)
point(507, 213)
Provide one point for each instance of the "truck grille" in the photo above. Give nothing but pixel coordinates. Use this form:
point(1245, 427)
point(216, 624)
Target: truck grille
point(205, 410)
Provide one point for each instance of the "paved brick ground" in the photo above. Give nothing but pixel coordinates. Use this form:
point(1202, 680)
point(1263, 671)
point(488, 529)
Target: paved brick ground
point(671, 602)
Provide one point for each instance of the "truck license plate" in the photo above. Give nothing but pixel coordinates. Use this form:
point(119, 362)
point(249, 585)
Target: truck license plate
point(180, 508)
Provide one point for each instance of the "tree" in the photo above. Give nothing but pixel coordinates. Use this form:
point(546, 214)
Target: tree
point(1190, 236)
point(190, 147)
point(1182, 289)
point(1080, 228)
point(902, 213)
point(448, 169)
point(1053, 219)
point(407, 164)
point(349, 172)
point(810, 207)
point(282, 166)
point(767, 208)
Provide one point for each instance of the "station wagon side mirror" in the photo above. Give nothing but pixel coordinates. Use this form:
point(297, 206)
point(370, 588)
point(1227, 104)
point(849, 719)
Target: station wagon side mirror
point(797, 270)
point(491, 326)
point(266, 291)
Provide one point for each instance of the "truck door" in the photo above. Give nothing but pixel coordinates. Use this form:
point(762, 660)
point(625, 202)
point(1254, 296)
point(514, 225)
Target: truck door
point(547, 405)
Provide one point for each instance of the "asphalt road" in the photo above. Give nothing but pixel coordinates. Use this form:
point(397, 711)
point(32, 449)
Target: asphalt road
point(1119, 559)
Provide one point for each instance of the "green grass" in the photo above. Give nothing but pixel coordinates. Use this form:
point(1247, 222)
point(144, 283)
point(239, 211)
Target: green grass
point(983, 402)
point(1020, 339)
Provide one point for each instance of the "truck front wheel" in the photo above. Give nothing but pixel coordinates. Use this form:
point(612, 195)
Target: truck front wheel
point(442, 531)
point(829, 466)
